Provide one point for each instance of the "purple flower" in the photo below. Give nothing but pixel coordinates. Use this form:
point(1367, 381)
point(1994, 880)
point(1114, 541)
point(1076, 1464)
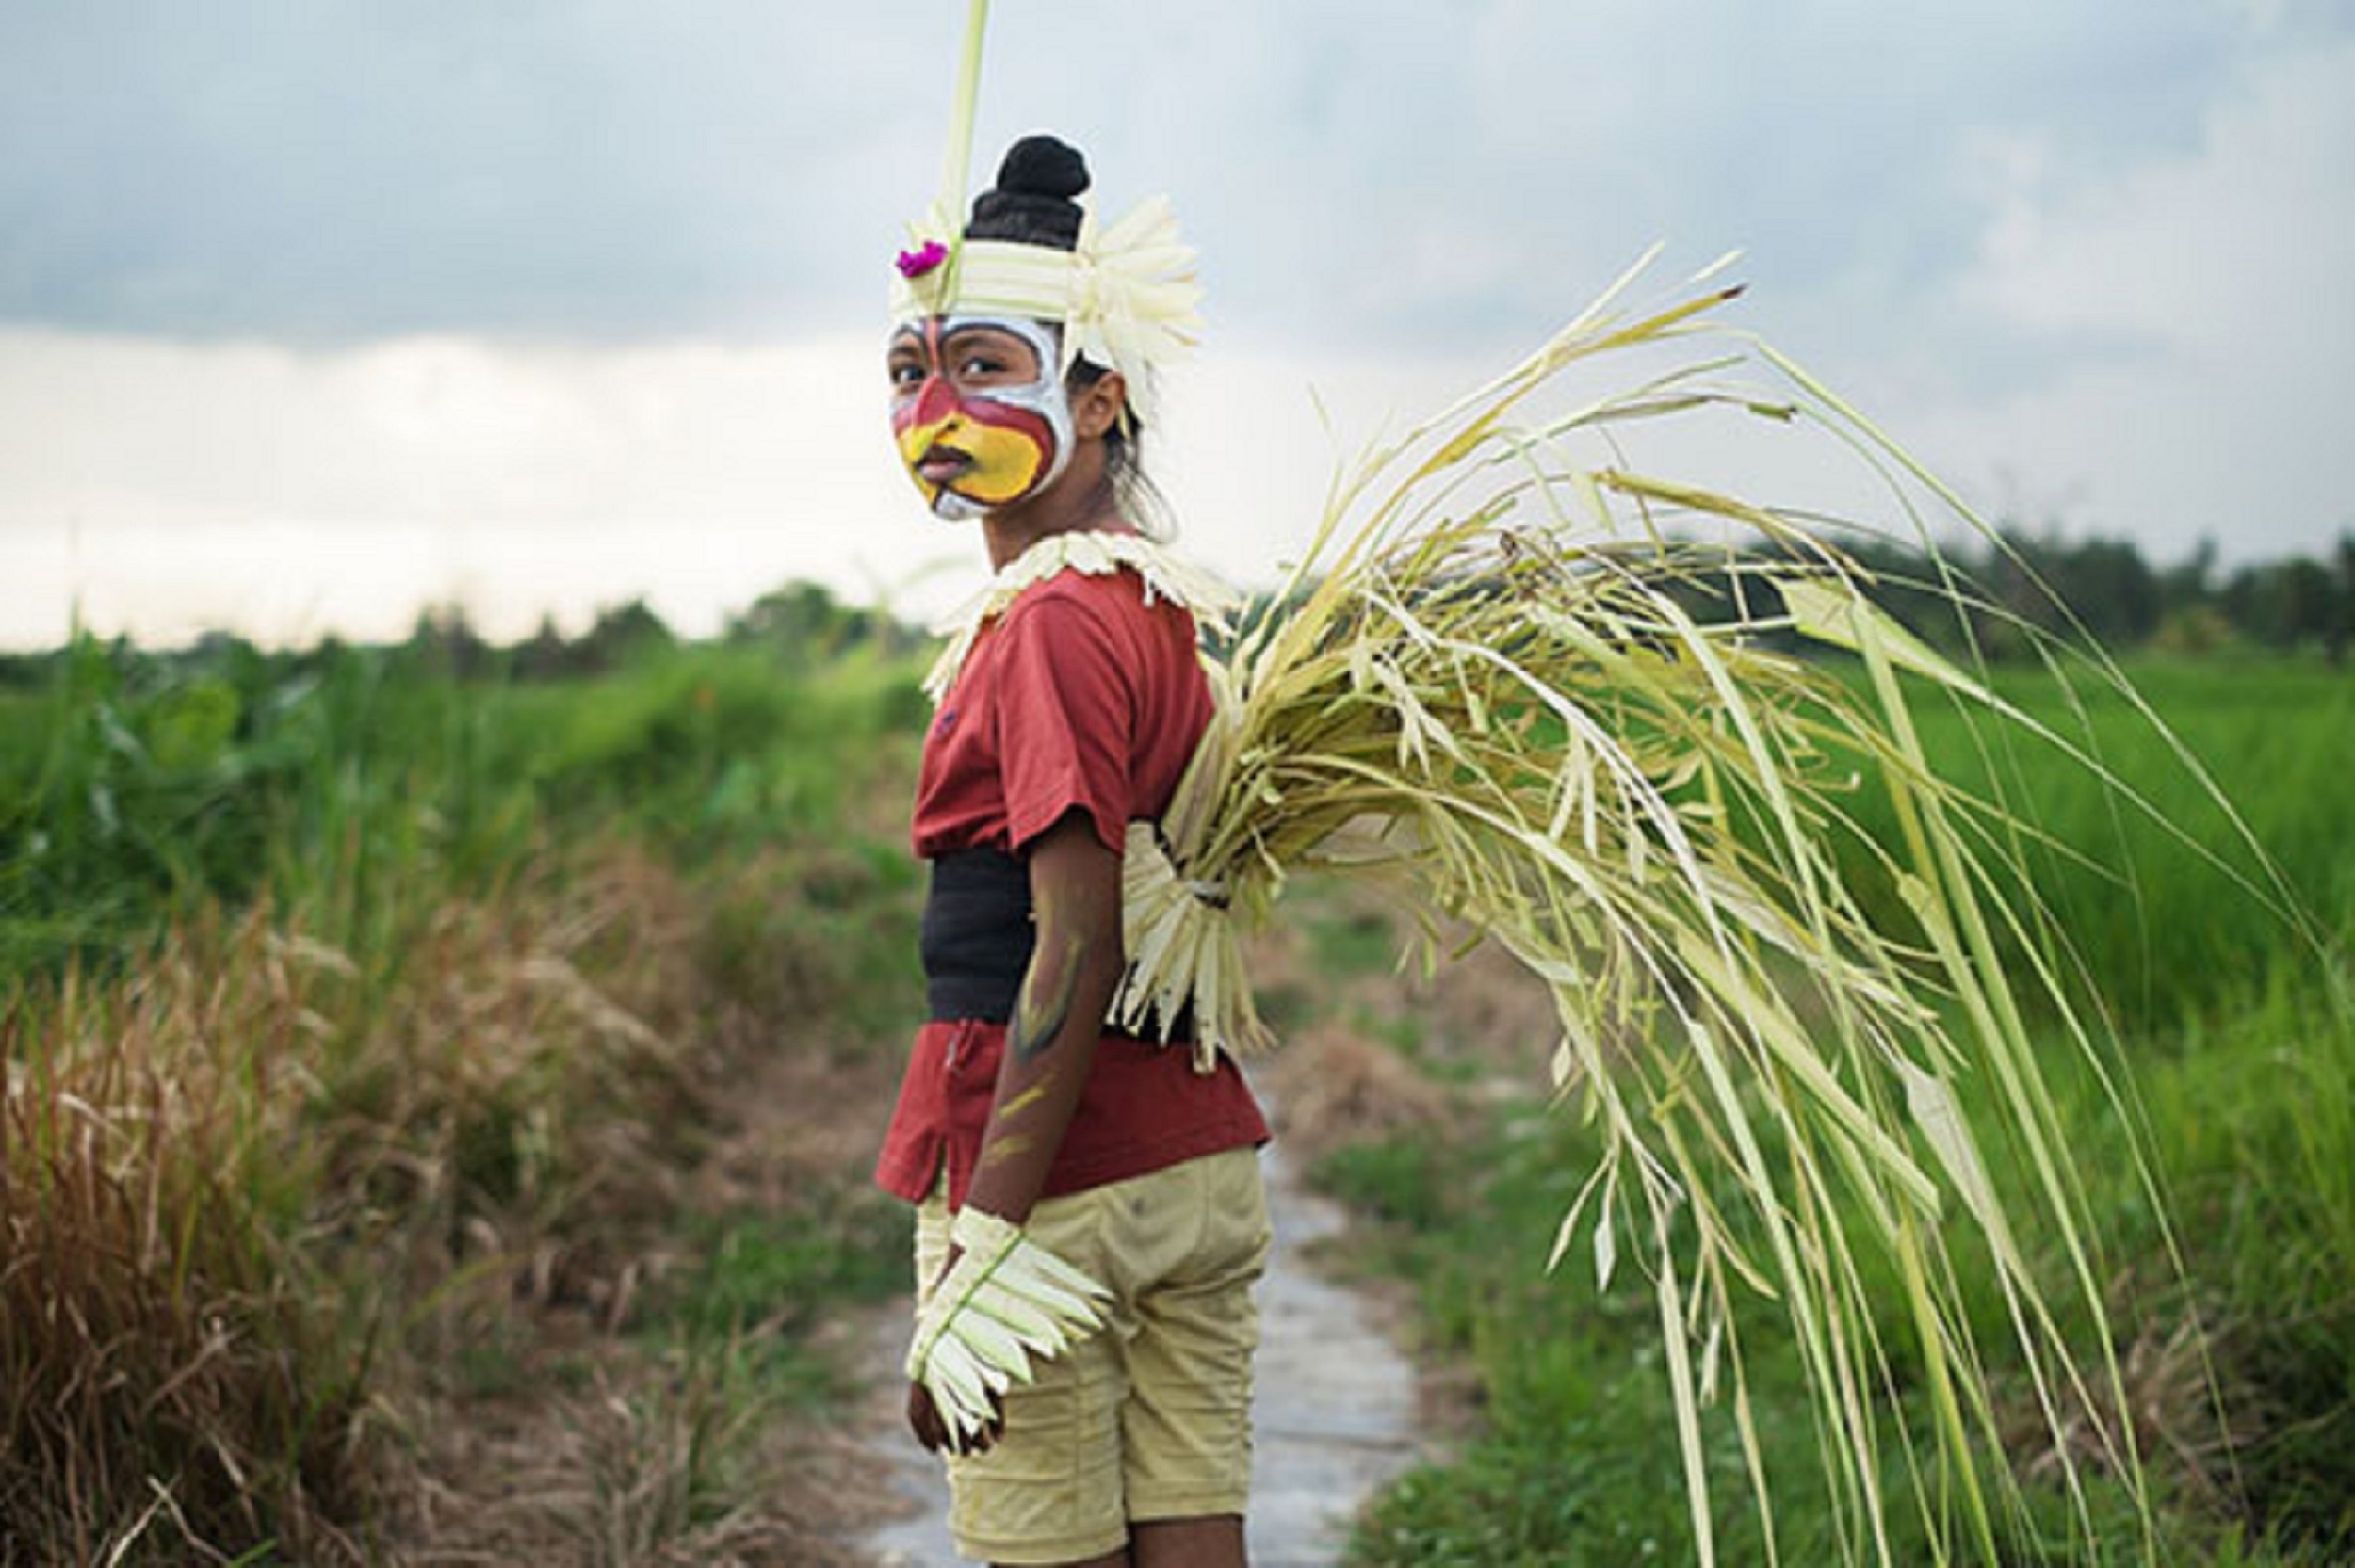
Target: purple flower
point(915, 263)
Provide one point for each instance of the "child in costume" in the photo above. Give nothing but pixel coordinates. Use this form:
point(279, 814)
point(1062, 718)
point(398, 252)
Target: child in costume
point(1498, 682)
point(1092, 1219)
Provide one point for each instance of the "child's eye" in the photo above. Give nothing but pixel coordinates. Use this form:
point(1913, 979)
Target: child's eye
point(980, 365)
point(905, 374)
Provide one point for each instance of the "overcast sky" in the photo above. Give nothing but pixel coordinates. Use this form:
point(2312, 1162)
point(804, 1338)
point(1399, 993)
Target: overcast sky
point(309, 314)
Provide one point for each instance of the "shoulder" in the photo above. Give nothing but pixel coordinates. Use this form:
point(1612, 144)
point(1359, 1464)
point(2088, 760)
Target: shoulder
point(1072, 601)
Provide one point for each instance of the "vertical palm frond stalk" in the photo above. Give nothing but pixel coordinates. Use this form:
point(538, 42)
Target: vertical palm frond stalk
point(1559, 703)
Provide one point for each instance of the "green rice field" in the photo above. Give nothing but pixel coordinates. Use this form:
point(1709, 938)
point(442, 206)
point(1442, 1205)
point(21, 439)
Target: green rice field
point(378, 1045)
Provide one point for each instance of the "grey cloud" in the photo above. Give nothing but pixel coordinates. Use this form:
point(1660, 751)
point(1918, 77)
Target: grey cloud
point(1424, 172)
point(335, 172)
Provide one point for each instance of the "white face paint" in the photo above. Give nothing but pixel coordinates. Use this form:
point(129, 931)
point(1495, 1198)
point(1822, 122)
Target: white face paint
point(972, 439)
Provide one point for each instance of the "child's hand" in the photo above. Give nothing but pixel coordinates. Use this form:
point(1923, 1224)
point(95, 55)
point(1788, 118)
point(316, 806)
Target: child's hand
point(932, 1431)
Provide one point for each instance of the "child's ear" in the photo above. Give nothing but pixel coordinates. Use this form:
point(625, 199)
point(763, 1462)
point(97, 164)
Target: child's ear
point(1097, 410)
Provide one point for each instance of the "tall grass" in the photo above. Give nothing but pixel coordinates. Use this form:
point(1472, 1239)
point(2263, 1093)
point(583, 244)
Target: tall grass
point(2239, 1376)
point(2252, 1118)
point(341, 1001)
point(174, 1369)
point(2237, 1371)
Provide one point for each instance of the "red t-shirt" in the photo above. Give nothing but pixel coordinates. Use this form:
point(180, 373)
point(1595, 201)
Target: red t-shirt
point(1082, 696)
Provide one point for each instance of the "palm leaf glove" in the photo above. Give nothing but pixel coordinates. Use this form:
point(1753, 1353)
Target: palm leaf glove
point(1005, 1299)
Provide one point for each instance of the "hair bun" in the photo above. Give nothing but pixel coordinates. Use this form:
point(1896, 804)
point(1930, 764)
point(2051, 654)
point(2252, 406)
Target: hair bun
point(1044, 166)
point(1032, 202)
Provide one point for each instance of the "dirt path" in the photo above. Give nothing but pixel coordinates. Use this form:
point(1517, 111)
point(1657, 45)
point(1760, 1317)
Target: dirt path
point(1335, 1415)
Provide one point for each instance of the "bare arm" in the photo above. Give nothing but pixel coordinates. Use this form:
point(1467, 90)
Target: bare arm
point(1050, 1042)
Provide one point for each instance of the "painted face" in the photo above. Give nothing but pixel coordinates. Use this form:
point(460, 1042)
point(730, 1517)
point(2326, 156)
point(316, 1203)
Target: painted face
point(979, 411)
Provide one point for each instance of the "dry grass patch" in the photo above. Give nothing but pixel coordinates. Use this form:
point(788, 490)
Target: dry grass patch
point(179, 1381)
point(651, 1462)
point(1334, 1087)
point(294, 1235)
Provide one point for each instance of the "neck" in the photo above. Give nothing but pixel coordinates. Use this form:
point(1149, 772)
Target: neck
point(1076, 503)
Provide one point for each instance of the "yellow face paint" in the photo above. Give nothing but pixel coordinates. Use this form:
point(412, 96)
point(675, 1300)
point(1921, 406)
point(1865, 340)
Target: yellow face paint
point(985, 454)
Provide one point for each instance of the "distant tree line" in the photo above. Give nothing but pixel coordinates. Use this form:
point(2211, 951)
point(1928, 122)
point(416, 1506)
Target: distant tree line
point(2022, 583)
point(2019, 582)
point(801, 622)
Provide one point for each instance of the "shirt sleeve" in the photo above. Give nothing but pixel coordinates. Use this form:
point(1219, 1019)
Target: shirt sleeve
point(1067, 717)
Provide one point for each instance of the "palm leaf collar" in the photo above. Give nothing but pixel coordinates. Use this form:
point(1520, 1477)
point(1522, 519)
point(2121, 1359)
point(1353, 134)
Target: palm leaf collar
point(1097, 554)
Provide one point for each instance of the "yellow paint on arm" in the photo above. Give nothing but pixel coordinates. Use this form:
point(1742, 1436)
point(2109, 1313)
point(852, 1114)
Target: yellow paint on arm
point(1006, 1146)
point(1027, 1098)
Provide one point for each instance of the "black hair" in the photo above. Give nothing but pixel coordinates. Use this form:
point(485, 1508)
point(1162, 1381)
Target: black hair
point(1035, 202)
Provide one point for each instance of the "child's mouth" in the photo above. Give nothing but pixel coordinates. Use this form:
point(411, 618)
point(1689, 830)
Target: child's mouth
point(940, 465)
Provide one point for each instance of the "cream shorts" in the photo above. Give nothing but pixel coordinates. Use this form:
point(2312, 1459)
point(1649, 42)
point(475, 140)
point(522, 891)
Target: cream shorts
point(1150, 1416)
